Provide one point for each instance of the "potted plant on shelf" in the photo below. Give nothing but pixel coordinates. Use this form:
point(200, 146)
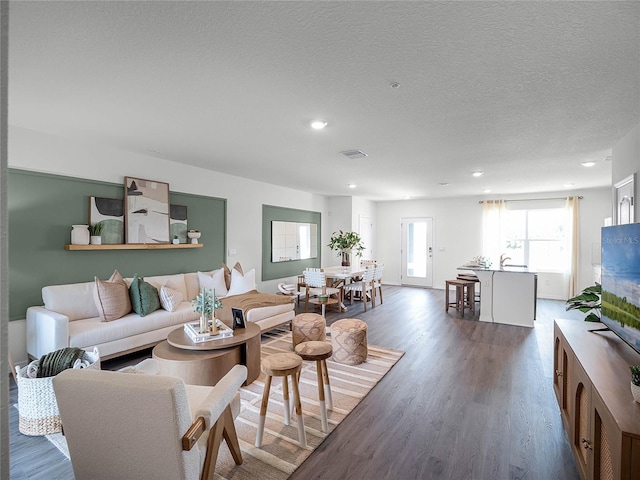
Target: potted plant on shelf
point(95, 231)
point(344, 243)
point(635, 382)
point(588, 302)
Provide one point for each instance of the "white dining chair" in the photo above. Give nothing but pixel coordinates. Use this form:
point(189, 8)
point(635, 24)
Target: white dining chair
point(364, 287)
point(377, 280)
point(316, 284)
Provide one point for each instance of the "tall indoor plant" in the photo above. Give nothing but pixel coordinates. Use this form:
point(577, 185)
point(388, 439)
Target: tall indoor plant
point(344, 243)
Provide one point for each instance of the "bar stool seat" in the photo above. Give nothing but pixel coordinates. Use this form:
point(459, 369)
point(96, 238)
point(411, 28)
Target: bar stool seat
point(465, 295)
point(282, 365)
point(318, 352)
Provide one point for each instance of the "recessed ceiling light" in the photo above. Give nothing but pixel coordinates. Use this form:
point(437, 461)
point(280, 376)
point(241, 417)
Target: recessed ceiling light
point(568, 185)
point(587, 164)
point(352, 185)
point(407, 198)
point(487, 190)
point(477, 174)
point(318, 124)
point(444, 184)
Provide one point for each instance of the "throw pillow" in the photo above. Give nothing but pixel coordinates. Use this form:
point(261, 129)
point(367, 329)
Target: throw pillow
point(170, 298)
point(227, 275)
point(213, 281)
point(242, 283)
point(144, 296)
point(238, 267)
point(111, 297)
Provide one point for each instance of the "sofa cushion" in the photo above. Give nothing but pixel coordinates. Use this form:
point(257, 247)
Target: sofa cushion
point(170, 298)
point(91, 331)
point(75, 300)
point(242, 283)
point(174, 282)
point(144, 296)
point(213, 281)
point(111, 297)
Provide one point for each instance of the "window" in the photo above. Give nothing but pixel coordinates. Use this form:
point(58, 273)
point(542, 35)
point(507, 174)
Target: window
point(537, 237)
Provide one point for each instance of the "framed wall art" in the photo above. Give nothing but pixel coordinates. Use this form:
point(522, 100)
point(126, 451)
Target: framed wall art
point(178, 222)
point(109, 212)
point(146, 211)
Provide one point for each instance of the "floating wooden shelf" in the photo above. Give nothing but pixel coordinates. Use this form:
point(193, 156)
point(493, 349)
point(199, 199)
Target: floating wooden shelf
point(134, 246)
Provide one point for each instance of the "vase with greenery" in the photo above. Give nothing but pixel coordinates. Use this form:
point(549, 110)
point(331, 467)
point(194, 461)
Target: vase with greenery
point(205, 304)
point(345, 243)
point(95, 231)
point(589, 302)
point(635, 382)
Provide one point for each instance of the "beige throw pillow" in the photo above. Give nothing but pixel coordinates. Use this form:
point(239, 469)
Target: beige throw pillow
point(112, 297)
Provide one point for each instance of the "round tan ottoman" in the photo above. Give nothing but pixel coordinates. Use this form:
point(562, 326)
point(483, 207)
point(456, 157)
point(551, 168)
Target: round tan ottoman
point(349, 341)
point(308, 327)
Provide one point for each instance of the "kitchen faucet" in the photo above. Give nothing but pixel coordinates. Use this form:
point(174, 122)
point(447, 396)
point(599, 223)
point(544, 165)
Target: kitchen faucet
point(503, 259)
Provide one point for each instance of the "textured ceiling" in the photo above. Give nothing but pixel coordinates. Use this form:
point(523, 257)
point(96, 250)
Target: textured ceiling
point(523, 91)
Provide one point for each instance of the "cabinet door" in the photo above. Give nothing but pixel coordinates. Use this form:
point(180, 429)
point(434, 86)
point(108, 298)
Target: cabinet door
point(607, 442)
point(581, 432)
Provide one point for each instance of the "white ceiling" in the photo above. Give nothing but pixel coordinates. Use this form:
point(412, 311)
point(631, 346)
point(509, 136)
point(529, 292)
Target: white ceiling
point(523, 91)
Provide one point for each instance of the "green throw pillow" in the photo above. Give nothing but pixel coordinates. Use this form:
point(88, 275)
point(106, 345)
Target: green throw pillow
point(144, 296)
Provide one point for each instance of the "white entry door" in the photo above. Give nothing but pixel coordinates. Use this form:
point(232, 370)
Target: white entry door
point(366, 234)
point(417, 251)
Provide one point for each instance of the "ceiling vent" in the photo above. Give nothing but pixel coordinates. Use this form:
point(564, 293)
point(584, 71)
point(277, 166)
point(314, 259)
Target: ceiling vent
point(353, 154)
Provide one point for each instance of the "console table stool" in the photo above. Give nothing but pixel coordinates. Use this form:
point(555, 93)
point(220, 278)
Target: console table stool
point(318, 352)
point(465, 295)
point(307, 327)
point(282, 365)
point(349, 341)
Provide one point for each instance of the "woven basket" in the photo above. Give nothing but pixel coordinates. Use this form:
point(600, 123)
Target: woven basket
point(37, 406)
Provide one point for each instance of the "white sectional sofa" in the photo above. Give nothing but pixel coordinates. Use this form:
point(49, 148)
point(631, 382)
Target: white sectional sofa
point(69, 317)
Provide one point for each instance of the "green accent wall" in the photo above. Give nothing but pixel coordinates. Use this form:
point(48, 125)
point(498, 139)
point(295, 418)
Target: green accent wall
point(270, 270)
point(43, 207)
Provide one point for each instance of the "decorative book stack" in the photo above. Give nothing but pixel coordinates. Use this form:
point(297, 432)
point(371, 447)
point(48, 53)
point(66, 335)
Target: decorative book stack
point(193, 331)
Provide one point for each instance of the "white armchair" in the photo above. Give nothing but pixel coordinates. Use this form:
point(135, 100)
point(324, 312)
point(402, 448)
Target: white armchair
point(123, 426)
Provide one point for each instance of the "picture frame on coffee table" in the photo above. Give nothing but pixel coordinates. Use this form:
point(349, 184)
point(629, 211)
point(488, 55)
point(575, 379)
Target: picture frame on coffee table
point(238, 318)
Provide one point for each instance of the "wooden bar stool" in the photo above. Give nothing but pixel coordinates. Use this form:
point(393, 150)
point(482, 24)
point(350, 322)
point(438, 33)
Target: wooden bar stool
point(474, 278)
point(465, 295)
point(282, 365)
point(318, 352)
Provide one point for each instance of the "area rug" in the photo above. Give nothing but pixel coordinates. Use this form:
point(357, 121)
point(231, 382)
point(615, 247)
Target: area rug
point(280, 454)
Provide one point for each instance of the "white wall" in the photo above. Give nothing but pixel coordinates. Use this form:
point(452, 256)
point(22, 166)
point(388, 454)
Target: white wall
point(626, 161)
point(458, 235)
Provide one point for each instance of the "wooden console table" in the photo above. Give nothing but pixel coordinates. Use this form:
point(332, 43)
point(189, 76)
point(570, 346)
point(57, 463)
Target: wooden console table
point(592, 384)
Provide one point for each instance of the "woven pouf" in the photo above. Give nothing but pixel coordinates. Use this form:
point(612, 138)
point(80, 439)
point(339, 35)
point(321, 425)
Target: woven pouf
point(349, 341)
point(308, 327)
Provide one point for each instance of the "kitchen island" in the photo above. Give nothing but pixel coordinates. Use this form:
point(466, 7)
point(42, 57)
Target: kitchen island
point(507, 294)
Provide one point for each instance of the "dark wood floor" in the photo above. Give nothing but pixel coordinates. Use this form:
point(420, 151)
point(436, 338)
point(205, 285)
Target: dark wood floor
point(468, 400)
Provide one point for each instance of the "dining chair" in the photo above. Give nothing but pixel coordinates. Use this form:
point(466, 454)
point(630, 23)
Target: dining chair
point(377, 280)
point(316, 284)
point(364, 287)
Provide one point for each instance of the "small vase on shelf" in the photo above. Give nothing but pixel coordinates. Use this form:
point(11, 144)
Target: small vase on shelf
point(80, 235)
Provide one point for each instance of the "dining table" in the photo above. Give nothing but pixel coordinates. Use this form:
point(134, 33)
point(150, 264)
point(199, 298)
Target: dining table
point(338, 277)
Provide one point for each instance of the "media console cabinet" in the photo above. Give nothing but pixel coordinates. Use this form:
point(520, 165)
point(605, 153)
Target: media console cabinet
point(592, 385)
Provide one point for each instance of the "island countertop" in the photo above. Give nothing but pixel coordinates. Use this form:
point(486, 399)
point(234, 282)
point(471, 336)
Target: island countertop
point(506, 268)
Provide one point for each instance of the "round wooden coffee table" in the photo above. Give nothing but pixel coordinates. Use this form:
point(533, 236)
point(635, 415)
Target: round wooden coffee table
point(207, 362)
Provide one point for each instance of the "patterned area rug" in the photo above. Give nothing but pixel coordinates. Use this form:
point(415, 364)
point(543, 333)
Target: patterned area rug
point(280, 454)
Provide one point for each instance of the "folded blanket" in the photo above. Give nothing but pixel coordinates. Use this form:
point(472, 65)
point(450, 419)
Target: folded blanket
point(247, 301)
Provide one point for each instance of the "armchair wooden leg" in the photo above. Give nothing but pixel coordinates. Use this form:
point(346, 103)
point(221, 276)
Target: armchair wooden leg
point(231, 437)
point(223, 428)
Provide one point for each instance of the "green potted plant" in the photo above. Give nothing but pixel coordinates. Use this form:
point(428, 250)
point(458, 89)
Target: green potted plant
point(589, 302)
point(205, 304)
point(344, 243)
point(95, 231)
point(635, 382)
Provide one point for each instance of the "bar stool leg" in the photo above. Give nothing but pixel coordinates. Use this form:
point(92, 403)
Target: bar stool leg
point(302, 436)
point(321, 402)
point(285, 398)
point(263, 411)
point(327, 385)
point(446, 297)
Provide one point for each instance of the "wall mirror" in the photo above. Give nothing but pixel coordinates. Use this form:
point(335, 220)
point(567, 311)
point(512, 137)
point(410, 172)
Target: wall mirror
point(293, 241)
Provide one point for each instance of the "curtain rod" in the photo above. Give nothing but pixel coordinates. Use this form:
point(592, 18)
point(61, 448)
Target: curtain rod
point(580, 197)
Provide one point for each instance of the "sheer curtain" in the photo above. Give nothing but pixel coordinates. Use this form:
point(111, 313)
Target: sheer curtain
point(571, 207)
point(493, 212)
